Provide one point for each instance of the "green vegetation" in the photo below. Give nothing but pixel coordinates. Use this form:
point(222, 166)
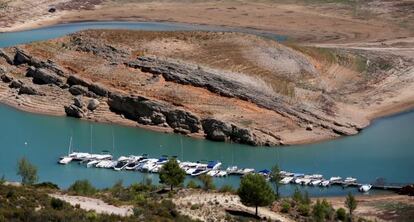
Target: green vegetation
point(255, 191)
point(27, 171)
point(207, 182)
point(341, 214)
point(227, 189)
point(171, 174)
point(351, 203)
point(275, 178)
point(82, 187)
point(322, 211)
point(193, 185)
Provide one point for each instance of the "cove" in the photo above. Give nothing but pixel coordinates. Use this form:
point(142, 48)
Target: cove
point(384, 150)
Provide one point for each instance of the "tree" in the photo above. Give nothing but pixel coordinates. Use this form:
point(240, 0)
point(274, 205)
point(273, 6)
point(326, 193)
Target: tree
point(82, 187)
point(27, 171)
point(207, 181)
point(322, 211)
point(351, 203)
point(171, 173)
point(275, 178)
point(255, 191)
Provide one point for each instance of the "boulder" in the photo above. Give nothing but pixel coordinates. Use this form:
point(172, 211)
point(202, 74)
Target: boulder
point(77, 80)
point(243, 135)
point(29, 90)
point(98, 89)
point(180, 119)
point(74, 111)
point(309, 127)
point(43, 76)
point(158, 118)
point(6, 56)
point(77, 101)
point(30, 71)
point(93, 104)
point(77, 90)
point(22, 58)
point(16, 84)
point(5, 78)
point(144, 120)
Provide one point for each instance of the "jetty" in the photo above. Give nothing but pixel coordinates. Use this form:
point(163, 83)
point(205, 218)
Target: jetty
point(145, 164)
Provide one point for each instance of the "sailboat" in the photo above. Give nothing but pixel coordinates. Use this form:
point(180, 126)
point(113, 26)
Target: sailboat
point(66, 159)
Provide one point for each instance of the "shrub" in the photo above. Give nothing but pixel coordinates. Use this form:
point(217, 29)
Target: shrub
point(57, 204)
point(304, 210)
point(82, 187)
point(207, 182)
point(2, 180)
point(27, 171)
point(285, 206)
point(297, 196)
point(341, 214)
point(193, 185)
point(227, 189)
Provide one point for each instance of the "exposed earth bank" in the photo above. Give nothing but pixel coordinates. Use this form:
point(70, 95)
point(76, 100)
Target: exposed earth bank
point(222, 86)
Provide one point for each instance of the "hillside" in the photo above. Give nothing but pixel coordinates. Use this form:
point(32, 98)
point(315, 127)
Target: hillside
point(222, 86)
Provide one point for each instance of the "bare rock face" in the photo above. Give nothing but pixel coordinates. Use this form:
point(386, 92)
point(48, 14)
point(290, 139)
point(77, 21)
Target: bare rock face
point(30, 90)
point(93, 104)
point(152, 112)
point(220, 131)
point(96, 88)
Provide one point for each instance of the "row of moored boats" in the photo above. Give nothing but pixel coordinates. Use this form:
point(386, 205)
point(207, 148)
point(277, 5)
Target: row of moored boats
point(212, 168)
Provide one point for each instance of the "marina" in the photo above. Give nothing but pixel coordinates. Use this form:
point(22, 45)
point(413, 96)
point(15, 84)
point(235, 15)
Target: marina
point(212, 168)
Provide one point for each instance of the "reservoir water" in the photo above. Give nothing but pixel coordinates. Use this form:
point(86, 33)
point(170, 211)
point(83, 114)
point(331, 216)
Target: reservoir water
point(383, 150)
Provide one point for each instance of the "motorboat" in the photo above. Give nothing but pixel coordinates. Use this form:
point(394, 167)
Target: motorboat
point(365, 188)
point(213, 172)
point(232, 169)
point(298, 180)
point(92, 163)
point(350, 180)
point(65, 160)
point(325, 183)
point(221, 173)
point(199, 171)
point(213, 165)
point(286, 180)
point(306, 181)
point(315, 182)
point(335, 179)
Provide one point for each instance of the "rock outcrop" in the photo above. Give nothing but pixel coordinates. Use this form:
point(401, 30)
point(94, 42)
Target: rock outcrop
point(220, 131)
point(30, 90)
point(16, 84)
point(6, 78)
point(77, 90)
point(217, 83)
point(96, 88)
point(76, 109)
point(44, 76)
point(152, 112)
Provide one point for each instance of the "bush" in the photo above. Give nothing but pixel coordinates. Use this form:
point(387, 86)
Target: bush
point(304, 210)
point(297, 196)
point(227, 189)
point(207, 182)
point(27, 171)
point(2, 180)
point(47, 185)
point(341, 214)
point(82, 187)
point(57, 204)
point(193, 185)
point(285, 207)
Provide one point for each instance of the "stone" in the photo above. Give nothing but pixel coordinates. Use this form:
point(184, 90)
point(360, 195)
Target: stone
point(43, 76)
point(77, 80)
point(21, 58)
point(29, 90)
point(16, 84)
point(309, 127)
point(77, 101)
point(158, 118)
point(98, 89)
point(5, 78)
point(74, 111)
point(144, 120)
point(93, 104)
point(180, 119)
point(77, 90)
point(30, 71)
point(6, 56)
point(216, 130)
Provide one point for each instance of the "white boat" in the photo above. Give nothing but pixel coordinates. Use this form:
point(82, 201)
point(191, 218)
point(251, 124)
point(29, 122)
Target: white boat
point(213, 173)
point(213, 165)
point(232, 170)
point(247, 171)
point(316, 182)
point(199, 171)
point(286, 180)
point(325, 183)
point(92, 163)
point(67, 159)
point(221, 173)
point(306, 181)
point(314, 176)
point(79, 156)
point(350, 180)
point(333, 179)
point(365, 188)
point(298, 180)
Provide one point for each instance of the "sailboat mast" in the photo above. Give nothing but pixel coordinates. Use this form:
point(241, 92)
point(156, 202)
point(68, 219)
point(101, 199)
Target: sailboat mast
point(91, 138)
point(70, 145)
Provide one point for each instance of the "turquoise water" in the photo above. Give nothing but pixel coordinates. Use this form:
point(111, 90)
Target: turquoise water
point(385, 149)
